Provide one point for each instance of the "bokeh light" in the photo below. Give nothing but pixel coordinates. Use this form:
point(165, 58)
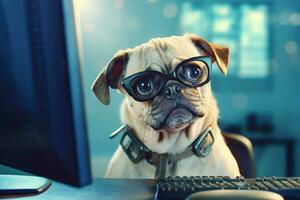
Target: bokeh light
point(170, 10)
point(291, 47)
point(294, 19)
point(240, 102)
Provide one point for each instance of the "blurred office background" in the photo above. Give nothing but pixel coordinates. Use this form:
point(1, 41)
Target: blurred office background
point(260, 97)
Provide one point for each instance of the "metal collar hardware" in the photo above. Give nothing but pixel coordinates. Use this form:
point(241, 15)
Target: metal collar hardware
point(137, 151)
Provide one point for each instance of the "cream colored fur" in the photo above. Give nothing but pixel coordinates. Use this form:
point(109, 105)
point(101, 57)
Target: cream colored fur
point(157, 52)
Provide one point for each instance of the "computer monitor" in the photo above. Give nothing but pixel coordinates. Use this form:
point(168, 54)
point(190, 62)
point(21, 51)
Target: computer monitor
point(42, 118)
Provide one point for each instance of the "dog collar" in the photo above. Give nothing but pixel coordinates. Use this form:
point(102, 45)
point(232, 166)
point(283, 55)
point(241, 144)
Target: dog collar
point(137, 151)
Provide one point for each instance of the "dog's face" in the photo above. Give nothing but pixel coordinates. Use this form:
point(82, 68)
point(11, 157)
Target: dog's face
point(177, 105)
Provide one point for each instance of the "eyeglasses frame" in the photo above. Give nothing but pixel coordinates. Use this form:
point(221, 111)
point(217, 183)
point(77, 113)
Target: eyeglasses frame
point(126, 83)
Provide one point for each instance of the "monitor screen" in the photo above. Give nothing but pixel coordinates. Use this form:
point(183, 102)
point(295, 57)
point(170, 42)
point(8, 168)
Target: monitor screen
point(42, 118)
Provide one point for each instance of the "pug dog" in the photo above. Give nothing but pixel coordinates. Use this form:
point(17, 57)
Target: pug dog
point(168, 104)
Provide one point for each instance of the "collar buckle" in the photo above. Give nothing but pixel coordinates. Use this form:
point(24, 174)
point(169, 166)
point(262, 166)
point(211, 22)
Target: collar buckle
point(202, 145)
point(133, 147)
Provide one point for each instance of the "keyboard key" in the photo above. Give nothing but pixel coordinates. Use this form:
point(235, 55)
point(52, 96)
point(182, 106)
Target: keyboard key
point(269, 185)
point(282, 178)
point(242, 184)
point(287, 184)
point(278, 184)
point(260, 186)
point(294, 183)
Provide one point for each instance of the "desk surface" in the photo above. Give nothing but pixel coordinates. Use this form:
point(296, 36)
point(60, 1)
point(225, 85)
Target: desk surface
point(100, 189)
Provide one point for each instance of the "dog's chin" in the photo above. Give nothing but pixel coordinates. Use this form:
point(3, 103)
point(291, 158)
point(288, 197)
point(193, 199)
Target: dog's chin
point(177, 120)
point(175, 130)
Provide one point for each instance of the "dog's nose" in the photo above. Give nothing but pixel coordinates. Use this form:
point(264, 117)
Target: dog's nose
point(172, 90)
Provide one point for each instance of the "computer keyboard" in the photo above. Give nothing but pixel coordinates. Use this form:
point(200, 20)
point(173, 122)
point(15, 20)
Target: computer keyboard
point(181, 187)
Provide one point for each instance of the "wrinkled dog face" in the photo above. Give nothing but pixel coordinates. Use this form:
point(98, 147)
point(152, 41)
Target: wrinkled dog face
point(179, 110)
point(177, 105)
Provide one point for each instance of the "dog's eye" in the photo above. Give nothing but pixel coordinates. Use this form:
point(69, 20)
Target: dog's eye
point(144, 87)
point(192, 72)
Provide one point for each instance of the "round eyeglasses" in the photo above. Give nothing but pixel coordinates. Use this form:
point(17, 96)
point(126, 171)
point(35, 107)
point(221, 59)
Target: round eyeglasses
point(193, 72)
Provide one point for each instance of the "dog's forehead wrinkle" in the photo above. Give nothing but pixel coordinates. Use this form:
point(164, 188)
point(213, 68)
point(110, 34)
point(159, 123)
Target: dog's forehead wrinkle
point(155, 67)
point(161, 54)
point(165, 49)
point(156, 50)
point(163, 57)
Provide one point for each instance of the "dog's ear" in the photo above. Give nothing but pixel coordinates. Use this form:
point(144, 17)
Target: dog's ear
point(219, 53)
point(110, 76)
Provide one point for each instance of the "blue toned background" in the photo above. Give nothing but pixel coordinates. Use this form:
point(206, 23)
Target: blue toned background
point(260, 96)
